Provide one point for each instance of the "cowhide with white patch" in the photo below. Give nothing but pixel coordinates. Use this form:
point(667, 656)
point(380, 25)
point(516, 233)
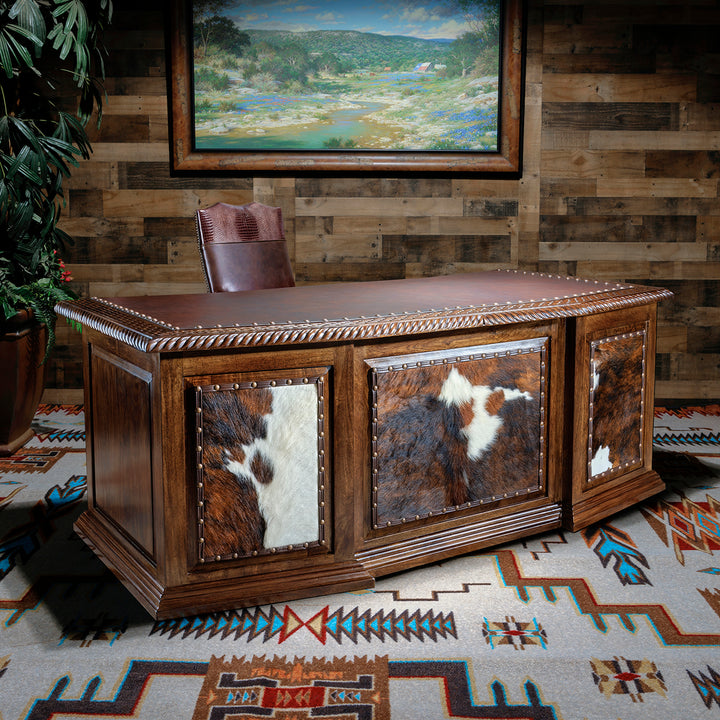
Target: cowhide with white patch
point(617, 393)
point(260, 457)
point(457, 433)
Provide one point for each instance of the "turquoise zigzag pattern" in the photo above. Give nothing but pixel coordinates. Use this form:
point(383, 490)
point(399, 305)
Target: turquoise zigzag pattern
point(61, 436)
point(687, 439)
point(254, 623)
point(707, 686)
point(27, 539)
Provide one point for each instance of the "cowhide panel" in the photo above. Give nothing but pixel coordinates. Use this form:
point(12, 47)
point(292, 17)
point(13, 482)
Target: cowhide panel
point(452, 431)
point(617, 382)
point(260, 467)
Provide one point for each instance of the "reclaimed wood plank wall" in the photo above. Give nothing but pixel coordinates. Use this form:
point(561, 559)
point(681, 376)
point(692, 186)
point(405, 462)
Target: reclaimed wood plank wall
point(620, 182)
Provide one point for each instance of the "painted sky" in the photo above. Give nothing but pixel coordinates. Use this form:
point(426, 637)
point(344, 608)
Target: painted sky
point(438, 19)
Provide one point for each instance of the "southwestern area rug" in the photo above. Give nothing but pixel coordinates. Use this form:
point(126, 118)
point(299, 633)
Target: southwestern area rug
point(621, 621)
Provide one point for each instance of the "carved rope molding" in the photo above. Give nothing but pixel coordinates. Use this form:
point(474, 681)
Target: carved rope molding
point(151, 335)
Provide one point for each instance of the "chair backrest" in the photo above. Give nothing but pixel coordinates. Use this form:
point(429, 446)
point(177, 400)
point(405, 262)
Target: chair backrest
point(242, 247)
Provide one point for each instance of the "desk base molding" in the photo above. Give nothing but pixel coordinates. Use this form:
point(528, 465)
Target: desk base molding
point(267, 587)
point(211, 595)
point(139, 580)
point(469, 537)
point(634, 489)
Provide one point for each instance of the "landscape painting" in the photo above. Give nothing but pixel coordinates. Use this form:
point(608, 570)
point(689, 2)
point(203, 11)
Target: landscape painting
point(338, 74)
point(292, 82)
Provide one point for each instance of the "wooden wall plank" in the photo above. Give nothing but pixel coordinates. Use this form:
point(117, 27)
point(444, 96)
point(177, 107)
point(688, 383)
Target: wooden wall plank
point(132, 105)
point(161, 203)
point(620, 228)
point(130, 289)
point(626, 88)
point(661, 187)
point(379, 206)
point(628, 252)
point(683, 163)
point(689, 389)
point(657, 273)
point(338, 248)
point(589, 163)
point(666, 205)
point(611, 116)
point(137, 151)
point(585, 39)
point(601, 139)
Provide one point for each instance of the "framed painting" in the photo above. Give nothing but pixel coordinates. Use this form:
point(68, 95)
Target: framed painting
point(337, 86)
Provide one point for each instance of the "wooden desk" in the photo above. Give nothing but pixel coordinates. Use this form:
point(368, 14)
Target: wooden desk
point(246, 448)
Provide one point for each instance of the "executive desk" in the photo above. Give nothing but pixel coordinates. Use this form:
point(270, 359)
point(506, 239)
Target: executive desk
point(246, 448)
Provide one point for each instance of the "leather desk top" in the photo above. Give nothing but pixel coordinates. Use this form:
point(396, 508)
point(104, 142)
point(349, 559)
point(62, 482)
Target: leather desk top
point(349, 311)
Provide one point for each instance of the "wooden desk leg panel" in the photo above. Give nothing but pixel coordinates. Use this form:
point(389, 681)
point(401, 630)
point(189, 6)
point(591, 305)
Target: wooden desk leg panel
point(612, 429)
point(250, 519)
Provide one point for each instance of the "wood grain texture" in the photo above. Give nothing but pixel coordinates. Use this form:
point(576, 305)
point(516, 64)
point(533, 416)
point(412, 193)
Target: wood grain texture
point(620, 149)
point(122, 446)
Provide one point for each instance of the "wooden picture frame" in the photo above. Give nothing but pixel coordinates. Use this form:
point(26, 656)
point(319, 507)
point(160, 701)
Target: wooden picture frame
point(505, 158)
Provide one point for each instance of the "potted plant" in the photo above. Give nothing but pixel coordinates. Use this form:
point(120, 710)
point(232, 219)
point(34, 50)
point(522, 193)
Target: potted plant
point(49, 50)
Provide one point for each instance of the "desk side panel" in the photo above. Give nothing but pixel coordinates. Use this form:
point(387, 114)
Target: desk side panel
point(613, 415)
point(122, 448)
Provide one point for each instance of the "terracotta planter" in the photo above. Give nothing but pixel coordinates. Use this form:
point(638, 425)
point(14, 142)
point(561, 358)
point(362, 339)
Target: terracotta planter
point(22, 378)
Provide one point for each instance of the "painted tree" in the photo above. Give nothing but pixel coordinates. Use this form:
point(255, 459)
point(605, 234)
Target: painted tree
point(221, 32)
point(483, 16)
point(203, 12)
point(474, 48)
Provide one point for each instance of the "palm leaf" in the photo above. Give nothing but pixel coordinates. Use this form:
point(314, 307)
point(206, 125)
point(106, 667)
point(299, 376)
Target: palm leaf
point(24, 165)
point(6, 55)
point(13, 52)
point(30, 17)
point(19, 219)
point(21, 52)
point(68, 39)
point(60, 153)
point(23, 131)
point(83, 27)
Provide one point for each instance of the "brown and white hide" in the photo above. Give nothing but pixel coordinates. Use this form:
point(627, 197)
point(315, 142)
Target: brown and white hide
point(617, 385)
point(457, 433)
point(266, 442)
point(232, 522)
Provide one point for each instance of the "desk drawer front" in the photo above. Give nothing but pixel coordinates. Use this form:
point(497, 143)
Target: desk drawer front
point(457, 429)
point(260, 466)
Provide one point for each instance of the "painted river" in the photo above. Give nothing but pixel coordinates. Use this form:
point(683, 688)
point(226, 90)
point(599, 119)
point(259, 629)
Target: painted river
point(343, 124)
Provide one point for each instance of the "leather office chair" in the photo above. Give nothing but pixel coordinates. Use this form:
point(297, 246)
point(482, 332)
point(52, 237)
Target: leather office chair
point(242, 247)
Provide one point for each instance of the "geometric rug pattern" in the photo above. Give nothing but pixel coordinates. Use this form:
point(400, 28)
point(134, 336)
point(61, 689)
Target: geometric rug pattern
point(620, 620)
